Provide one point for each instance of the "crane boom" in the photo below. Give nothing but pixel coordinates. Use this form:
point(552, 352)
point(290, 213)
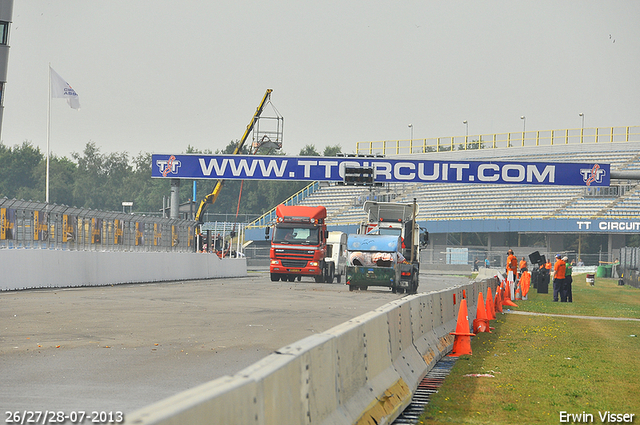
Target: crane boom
point(213, 196)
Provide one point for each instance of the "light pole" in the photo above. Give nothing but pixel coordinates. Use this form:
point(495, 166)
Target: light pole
point(411, 130)
point(524, 126)
point(582, 126)
point(466, 132)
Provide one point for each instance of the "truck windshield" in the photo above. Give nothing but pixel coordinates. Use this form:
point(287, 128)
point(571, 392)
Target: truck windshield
point(296, 235)
point(390, 231)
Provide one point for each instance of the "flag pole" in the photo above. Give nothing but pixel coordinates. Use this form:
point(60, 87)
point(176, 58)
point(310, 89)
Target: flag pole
point(48, 137)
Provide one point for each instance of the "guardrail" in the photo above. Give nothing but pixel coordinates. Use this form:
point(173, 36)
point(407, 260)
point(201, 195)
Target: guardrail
point(363, 371)
point(37, 225)
point(573, 136)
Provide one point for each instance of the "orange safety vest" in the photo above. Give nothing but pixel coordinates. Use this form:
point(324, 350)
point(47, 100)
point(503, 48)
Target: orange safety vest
point(512, 264)
point(560, 268)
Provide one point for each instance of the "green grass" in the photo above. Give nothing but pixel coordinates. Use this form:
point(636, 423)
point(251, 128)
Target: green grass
point(543, 365)
point(605, 298)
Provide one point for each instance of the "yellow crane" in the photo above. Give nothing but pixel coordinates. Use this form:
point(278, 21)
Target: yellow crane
point(211, 198)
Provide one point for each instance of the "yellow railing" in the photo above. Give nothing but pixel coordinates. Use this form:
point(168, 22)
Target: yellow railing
point(573, 136)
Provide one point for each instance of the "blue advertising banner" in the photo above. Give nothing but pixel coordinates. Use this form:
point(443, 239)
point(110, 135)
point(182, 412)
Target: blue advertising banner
point(249, 167)
point(529, 225)
point(534, 225)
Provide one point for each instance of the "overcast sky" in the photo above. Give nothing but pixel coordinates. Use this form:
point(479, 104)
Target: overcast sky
point(159, 75)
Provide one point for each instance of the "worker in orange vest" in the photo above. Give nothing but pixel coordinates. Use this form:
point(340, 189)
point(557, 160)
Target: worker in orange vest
point(512, 264)
point(559, 269)
point(523, 266)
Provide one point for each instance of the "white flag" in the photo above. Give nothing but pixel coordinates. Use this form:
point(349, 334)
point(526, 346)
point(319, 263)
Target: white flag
point(60, 88)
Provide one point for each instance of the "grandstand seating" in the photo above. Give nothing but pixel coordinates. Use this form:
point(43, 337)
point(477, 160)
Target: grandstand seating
point(444, 201)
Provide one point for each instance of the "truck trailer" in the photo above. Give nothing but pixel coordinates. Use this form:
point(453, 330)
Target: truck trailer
point(398, 221)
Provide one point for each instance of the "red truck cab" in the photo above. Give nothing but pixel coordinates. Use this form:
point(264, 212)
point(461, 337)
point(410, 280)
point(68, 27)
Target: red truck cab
point(299, 244)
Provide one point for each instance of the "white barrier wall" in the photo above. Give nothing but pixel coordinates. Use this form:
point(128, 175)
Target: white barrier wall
point(42, 268)
point(363, 371)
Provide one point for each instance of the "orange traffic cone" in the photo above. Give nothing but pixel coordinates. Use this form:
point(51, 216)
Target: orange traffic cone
point(509, 303)
point(481, 322)
point(506, 300)
point(490, 306)
point(525, 281)
point(462, 341)
point(498, 300)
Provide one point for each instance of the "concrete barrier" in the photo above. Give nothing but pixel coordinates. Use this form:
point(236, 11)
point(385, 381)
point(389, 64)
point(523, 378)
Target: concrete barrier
point(308, 383)
point(42, 268)
point(423, 322)
point(363, 371)
point(226, 400)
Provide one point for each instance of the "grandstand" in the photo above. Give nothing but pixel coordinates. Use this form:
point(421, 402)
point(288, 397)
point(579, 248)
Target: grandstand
point(447, 208)
point(451, 201)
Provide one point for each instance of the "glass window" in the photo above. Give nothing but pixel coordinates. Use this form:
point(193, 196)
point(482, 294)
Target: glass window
point(390, 231)
point(4, 32)
point(296, 235)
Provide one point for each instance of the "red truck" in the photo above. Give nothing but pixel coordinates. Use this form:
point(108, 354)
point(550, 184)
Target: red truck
point(299, 244)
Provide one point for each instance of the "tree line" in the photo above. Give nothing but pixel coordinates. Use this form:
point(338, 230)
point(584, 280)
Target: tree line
point(97, 180)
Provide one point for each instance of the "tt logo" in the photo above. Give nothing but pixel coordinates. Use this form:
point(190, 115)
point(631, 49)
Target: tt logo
point(592, 175)
point(167, 166)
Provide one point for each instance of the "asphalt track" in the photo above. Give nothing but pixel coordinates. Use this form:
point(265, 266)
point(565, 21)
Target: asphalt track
point(123, 347)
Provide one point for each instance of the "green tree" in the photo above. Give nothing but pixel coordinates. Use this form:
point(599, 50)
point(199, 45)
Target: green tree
point(100, 179)
point(231, 147)
point(471, 145)
point(591, 243)
point(309, 150)
point(61, 181)
point(332, 150)
point(192, 149)
point(145, 193)
point(633, 240)
point(17, 166)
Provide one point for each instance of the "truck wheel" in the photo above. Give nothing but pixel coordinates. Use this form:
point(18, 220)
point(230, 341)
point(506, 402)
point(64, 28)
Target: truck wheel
point(352, 288)
point(299, 278)
point(292, 278)
point(275, 277)
point(329, 277)
point(414, 286)
point(338, 278)
point(319, 278)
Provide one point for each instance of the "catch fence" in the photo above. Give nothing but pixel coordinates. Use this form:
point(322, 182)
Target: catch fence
point(630, 265)
point(37, 225)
